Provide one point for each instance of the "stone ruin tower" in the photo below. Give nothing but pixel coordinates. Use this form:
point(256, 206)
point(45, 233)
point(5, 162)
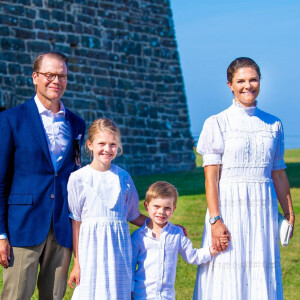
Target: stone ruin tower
point(123, 64)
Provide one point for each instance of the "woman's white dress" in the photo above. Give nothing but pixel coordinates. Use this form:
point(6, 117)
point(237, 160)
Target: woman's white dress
point(248, 144)
point(103, 202)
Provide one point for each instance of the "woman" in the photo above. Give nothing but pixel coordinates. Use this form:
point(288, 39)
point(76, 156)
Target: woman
point(243, 150)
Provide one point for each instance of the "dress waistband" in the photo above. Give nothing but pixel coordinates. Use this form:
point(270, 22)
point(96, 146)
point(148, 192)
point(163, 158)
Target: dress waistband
point(256, 174)
point(104, 219)
point(238, 179)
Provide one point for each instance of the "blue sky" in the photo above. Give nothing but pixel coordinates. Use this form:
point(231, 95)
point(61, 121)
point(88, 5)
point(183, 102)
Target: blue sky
point(210, 34)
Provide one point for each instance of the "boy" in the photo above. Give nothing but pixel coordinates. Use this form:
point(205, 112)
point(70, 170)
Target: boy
point(156, 244)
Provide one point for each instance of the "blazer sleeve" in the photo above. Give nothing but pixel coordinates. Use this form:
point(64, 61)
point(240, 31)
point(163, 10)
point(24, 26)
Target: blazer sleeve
point(135, 255)
point(7, 150)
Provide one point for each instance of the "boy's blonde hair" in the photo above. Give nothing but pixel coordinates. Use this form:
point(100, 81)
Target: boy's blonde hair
point(103, 125)
point(161, 189)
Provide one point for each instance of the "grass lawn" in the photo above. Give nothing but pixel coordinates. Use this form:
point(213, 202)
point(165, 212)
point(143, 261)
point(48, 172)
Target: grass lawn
point(190, 213)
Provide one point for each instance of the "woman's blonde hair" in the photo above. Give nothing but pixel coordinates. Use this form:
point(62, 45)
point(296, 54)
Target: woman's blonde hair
point(103, 125)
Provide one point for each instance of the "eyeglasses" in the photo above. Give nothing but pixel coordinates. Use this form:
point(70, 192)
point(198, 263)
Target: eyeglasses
point(52, 76)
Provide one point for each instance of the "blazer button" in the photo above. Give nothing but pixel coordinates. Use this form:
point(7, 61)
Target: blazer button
point(52, 196)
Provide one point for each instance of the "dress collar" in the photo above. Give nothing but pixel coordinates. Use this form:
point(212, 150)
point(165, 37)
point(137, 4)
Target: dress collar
point(250, 111)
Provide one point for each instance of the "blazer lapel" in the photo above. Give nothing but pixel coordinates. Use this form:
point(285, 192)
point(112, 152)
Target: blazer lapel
point(34, 120)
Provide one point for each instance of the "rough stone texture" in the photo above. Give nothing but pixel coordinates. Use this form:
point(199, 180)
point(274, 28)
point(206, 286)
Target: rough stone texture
point(124, 64)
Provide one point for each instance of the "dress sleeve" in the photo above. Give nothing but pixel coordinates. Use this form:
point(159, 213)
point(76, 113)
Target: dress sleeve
point(75, 199)
point(278, 162)
point(211, 142)
point(192, 255)
point(133, 201)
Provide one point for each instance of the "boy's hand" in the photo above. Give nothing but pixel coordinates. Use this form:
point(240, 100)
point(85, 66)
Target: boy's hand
point(74, 276)
point(212, 251)
point(219, 233)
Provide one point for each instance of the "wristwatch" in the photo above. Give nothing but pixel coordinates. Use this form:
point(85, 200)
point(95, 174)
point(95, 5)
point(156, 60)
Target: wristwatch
point(213, 220)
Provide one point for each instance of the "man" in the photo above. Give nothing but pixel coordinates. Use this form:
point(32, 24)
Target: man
point(40, 147)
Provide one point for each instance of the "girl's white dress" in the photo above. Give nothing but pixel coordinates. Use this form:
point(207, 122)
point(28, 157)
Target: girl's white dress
point(103, 202)
point(248, 144)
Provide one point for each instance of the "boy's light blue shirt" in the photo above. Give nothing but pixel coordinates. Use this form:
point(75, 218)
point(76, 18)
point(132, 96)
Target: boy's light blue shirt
point(157, 261)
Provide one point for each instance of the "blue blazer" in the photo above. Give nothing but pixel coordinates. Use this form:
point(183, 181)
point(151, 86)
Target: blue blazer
point(32, 194)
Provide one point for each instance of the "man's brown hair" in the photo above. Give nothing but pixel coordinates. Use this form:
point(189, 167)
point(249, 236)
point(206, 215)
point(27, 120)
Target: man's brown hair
point(37, 62)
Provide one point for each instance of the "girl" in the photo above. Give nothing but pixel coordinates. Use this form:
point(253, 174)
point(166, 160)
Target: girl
point(102, 198)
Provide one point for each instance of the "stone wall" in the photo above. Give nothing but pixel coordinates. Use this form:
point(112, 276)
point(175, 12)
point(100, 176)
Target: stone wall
point(124, 64)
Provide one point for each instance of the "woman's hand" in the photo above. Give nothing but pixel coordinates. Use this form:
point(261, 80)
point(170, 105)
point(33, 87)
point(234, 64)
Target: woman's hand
point(220, 236)
point(291, 218)
point(219, 232)
point(74, 275)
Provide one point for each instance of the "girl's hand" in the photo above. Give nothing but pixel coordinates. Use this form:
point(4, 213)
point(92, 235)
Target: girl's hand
point(184, 229)
point(219, 235)
point(74, 276)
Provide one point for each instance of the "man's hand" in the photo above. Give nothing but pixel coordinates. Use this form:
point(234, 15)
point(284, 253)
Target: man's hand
point(4, 252)
point(219, 234)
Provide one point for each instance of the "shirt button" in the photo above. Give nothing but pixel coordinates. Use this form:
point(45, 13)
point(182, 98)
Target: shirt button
point(52, 196)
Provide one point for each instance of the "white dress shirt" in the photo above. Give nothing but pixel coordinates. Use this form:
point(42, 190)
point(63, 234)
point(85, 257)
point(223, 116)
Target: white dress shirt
point(157, 261)
point(56, 129)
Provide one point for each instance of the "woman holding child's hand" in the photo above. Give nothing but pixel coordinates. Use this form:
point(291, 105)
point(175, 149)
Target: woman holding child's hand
point(219, 232)
point(243, 149)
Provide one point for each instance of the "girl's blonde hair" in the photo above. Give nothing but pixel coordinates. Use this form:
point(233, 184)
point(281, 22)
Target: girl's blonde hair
point(103, 125)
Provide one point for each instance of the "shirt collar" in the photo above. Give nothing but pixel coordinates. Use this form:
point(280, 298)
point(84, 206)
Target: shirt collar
point(146, 229)
point(42, 108)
